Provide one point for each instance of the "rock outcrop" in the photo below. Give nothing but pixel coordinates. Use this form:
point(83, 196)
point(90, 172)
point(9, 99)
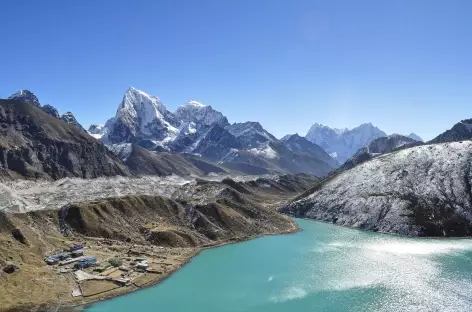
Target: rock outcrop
point(70, 119)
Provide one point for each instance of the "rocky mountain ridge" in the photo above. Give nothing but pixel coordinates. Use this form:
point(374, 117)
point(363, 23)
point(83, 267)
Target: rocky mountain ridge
point(460, 131)
point(27, 96)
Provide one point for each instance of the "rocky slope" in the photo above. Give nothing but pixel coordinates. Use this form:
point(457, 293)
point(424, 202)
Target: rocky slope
point(251, 134)
point(35, 145)
point(420, 191)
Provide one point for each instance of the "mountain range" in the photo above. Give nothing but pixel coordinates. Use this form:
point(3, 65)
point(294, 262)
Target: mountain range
point(197, 129)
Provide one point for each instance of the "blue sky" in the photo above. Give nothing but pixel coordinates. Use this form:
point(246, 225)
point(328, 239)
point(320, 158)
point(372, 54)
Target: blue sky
point(404, 65)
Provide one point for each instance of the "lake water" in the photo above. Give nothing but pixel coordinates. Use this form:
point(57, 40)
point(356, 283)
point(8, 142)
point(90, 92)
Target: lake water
point(322, 268)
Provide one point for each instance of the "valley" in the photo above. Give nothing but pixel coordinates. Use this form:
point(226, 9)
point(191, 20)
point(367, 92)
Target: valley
point(164, 231)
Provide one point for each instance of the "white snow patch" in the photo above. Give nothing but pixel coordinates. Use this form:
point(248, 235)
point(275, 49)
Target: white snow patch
point(97, 136)
point(195, 103)
point(264, 151)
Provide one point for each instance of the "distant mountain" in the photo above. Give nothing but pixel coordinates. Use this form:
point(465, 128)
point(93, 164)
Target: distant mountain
point(216, 143)
point(70, 119)
point(341, 144)
point(97, 131)
point(460, 131)
point(251, 134)
point(415, 137)
point(26, 96)
point(51, 110)
point(300, 144)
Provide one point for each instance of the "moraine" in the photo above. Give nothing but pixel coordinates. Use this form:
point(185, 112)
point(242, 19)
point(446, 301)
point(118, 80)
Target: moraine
point(322, 268)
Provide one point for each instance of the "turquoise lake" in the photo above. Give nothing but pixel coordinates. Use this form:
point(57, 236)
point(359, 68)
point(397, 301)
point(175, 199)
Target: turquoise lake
point(322, 268)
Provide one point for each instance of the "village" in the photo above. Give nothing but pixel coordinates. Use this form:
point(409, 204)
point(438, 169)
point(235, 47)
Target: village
point(97, 267)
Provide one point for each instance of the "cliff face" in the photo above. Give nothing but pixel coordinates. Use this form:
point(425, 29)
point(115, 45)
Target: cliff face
point(420, 191)
point(34, 144)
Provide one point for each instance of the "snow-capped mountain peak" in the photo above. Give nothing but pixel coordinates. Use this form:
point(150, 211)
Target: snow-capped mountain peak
point(138, 106)
point(141, 115)
point(200, 114)
point(325, 127)
point(25, 96)
point(251, 133)
point(195, 103)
